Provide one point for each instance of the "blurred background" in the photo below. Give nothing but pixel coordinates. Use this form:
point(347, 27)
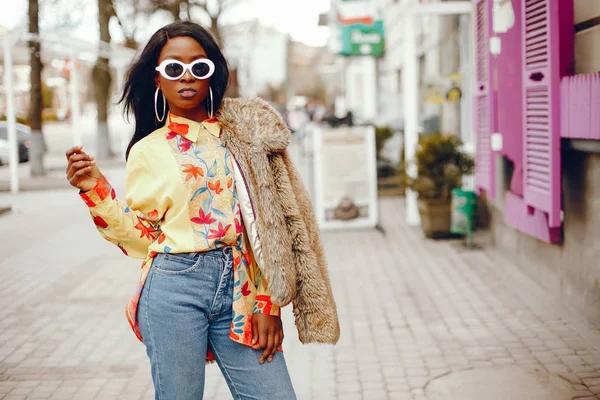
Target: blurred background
point(451, 150)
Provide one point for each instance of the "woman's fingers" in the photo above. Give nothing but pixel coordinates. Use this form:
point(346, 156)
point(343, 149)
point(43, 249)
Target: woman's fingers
point(76, 166)
point(269, 347)
point(72, 151)
point(81, 164)
point(76, 156)
point(75, 180)
point(80, 157)
point(83, 171)
point(276, 345)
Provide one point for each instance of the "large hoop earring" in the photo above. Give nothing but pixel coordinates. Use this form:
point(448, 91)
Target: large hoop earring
point(156, 105)
point(211, 112)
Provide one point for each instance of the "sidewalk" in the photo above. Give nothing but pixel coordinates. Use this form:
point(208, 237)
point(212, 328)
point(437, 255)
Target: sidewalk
point(420, 319)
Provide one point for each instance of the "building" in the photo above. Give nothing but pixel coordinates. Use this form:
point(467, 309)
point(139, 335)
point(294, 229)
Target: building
point(444, 62)
point(259, 54)
point(538, 140)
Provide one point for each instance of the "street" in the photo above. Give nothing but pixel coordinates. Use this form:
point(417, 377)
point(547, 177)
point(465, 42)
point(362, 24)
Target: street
point(411, 311)
point(474, 116)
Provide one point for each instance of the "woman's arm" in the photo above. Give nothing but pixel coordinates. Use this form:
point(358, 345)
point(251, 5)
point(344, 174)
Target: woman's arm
point(132, 225)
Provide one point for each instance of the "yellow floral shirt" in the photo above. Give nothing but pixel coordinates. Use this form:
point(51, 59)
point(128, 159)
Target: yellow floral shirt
point(181, 198)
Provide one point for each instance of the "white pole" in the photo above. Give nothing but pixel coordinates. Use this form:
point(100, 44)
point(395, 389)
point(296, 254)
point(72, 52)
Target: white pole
point(75, 102)
point(369, 66)
point(410, 75)
point(11, 119)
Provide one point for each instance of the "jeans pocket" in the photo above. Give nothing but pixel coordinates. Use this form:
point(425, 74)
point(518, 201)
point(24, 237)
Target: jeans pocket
point(177, 263)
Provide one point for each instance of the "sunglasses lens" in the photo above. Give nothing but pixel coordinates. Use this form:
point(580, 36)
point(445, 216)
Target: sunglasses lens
point(173, 70)
point(200, 69)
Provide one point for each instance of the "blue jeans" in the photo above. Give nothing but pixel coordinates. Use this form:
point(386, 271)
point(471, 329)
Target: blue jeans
point(185, 309)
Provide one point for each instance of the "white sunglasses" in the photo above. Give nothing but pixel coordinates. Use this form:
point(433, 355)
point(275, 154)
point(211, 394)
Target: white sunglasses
point(202, 68)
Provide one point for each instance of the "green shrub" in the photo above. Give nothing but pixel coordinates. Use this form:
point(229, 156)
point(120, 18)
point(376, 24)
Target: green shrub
point(20, 120)
point(47, 96)
point(382, 135)
point(441, 165)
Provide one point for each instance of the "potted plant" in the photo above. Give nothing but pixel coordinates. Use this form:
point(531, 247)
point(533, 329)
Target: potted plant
point(441, 164)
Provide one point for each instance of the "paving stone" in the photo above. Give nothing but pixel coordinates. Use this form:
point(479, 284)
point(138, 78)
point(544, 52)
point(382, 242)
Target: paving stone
point(417, 382)
point(587, 372)
point(499, 384)
point(594, 389)
point(557, 368)
point(574, 379)
point(582, 394)
point(591, 381)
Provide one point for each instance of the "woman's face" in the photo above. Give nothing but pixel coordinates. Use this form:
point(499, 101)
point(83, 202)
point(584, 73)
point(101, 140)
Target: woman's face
point(185, 95)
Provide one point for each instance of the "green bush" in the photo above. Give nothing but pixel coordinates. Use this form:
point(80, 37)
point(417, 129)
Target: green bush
point(441, 165)
point(382, 135)
point(47, 96)
point(20, 120)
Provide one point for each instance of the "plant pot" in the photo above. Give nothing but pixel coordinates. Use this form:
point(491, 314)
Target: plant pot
point(435, 217)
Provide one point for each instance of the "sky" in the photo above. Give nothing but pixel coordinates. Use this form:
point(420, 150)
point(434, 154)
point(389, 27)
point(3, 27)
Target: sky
point(299, 18)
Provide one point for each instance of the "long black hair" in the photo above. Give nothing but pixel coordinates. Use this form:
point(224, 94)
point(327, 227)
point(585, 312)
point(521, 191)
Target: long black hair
point(138, 91)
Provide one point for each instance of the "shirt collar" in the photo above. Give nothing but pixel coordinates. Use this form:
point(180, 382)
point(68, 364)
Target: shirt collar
point(190, 129)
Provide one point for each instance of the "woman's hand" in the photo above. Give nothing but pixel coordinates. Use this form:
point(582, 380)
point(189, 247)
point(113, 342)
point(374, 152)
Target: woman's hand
point(267, 333)
point(82, 171)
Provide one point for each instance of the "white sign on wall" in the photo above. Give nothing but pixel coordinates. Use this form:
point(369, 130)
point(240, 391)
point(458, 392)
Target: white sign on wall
point(345, 177)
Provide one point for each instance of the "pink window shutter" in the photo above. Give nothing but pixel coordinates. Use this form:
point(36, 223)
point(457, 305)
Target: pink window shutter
point(541, 103)
point(485, 100)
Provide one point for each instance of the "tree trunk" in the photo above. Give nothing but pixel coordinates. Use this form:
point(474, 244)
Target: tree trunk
point(214, 27)
point(175, 9)
point(38, 146)
point(102, 79)
point(233, 90)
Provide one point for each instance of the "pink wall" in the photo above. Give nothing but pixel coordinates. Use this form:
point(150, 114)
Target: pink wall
point(509, 85)
point(525, 107)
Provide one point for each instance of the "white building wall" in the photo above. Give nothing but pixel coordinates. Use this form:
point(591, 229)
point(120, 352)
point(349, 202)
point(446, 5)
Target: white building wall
point(428, 33)
point(260, 53)
point(390, 78)
point(267, 62)
point(390, 88)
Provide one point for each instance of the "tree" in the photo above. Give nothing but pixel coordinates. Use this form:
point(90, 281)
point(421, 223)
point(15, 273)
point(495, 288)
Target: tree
point(38, 147)
point(101, 75)
point(272, 93)
point(102, 79)
point(213, 9)
point(128, 14)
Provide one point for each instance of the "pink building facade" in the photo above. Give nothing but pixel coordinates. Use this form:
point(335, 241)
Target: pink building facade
point(539, 95)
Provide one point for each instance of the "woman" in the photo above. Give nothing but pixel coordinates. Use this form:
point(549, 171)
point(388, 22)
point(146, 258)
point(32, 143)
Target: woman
point(217, 211)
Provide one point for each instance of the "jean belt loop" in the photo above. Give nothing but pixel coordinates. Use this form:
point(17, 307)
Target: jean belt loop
point(227, 251)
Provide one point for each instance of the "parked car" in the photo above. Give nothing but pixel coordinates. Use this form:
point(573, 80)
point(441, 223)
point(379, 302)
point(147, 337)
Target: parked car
point(23, 137)
point(4, 152)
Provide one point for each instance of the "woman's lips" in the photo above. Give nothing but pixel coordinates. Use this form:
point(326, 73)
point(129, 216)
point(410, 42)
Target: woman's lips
point(187, 93)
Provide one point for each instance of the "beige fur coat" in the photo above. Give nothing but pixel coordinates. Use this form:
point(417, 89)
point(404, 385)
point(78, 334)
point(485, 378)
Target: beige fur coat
point(292, 258)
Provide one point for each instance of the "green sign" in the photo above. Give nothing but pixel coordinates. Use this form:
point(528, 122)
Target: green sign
point(362, 40)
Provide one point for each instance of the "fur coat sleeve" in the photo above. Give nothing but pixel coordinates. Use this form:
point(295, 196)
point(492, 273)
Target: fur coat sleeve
point(294, 262)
